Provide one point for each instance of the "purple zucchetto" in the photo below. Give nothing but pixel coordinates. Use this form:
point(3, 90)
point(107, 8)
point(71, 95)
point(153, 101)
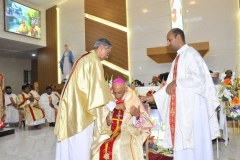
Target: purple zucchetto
point(118, 80)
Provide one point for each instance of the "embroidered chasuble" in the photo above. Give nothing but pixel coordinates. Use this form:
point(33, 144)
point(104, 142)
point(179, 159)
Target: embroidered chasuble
point(172, 114)
point(55, 110)
point(106, 147)
point(126, 140)
point(32, 111)
point(177, 111)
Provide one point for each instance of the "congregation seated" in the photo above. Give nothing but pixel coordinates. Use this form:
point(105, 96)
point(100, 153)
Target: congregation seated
point(49, 103)
point(12, 115)
point(155, 81)
point(28, 107)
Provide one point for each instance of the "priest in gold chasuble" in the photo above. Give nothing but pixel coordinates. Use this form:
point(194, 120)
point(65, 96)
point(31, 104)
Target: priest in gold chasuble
point(130, 125)
point(84, 105)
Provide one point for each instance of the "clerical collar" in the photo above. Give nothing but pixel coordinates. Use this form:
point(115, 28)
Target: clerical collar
point(181, 50)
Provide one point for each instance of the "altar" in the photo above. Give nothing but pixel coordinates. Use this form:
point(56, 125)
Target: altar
point(158, 132)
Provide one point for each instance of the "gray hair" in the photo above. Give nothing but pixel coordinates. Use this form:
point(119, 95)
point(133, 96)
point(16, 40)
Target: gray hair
point(104, 42)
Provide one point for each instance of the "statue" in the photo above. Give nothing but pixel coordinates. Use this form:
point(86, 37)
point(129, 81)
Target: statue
point(66, 62)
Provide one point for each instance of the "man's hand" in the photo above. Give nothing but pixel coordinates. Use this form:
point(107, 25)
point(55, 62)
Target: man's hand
point(31, 99)
point(10, 104)
point(162, 84)
point(120, 106)
point(170, 87)
point(109, 121)
point(51, 105)
point(147, 99)
point(134, 111)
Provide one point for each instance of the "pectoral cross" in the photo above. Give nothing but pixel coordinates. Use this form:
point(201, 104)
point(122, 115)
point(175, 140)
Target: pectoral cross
point(119, 115)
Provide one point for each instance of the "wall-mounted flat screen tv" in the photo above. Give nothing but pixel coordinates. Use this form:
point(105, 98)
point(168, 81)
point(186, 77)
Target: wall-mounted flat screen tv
point(21, 19)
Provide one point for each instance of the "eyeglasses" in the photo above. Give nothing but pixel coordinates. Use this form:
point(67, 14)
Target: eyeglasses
point(108, 52)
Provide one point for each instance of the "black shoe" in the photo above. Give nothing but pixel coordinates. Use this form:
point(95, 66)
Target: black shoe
point(52, 124)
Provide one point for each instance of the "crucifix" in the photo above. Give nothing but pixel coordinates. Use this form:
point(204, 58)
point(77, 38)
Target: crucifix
point(119, 115)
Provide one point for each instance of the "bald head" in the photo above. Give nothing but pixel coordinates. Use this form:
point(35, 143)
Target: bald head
point(118, 90)
point(175, 39)
point(154, 80)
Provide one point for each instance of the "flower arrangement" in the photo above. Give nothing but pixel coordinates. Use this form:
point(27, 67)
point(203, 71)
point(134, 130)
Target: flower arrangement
point(235, 112)
point(227, 94)
point(226, 90)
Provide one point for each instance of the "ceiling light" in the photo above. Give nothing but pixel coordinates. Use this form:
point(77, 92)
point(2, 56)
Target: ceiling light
point(192, 2)
point(144, 10)
point(34, 55)
point(115, 67)
point(103, 21)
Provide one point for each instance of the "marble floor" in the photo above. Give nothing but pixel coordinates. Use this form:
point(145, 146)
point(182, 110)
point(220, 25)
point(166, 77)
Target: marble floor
point(40, 145)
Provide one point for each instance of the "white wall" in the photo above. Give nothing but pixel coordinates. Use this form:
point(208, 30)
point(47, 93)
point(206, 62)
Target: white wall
point(216, 21)
point(21, 38)
point(12, 70)
point(72, 27)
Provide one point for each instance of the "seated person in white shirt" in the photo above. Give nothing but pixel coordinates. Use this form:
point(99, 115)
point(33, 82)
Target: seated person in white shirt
point(49, 103)
point(12, 115)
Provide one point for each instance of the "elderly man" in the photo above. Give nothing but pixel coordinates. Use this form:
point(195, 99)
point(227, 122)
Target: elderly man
point(130, 124)
point(84, 105)
point(187, 103)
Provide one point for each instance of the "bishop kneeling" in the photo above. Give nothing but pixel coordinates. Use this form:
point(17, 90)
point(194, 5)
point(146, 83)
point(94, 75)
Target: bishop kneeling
point(130, 126)
point(28, 107)
point(49, 103)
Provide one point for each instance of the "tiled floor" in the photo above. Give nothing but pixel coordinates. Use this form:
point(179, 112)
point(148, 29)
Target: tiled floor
point(28, 145)
point(40, 145)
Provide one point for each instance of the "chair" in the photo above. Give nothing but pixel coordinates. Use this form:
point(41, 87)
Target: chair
point(35, 86)
point(21, 117)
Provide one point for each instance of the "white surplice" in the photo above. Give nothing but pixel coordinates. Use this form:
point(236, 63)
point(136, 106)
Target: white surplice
point(12, 115)
point(45, 105)
point(194, 84)
point(78, 146)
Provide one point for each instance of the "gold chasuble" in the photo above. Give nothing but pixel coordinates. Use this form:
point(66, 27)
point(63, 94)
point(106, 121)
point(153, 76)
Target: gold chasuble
point(83, 101)
point(32, 111)
point(126, 143)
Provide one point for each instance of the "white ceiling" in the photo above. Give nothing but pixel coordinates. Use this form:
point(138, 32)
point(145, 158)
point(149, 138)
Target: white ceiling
point(16, 49)
point(45, 4)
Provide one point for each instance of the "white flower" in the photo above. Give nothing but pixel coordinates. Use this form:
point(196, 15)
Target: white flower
point(223, 75)
point(227, 94)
